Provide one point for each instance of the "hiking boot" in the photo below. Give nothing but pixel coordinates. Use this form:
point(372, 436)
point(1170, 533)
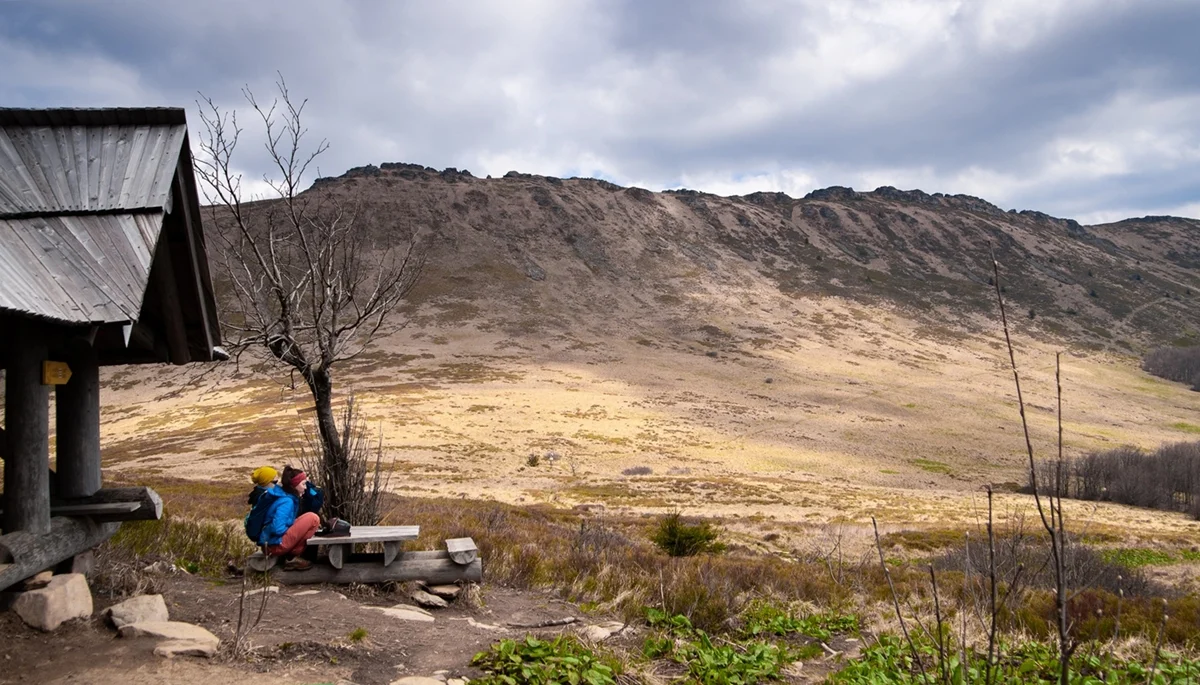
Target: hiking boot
point(297, 564)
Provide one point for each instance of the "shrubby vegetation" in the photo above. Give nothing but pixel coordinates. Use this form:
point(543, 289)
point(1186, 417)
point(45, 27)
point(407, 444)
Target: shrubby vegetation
point(1167, 478)
point(1180, 364)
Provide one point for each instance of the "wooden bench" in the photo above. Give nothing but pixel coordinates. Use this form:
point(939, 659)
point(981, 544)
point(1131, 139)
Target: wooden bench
point(391, 536)
point(459, 562)
point(339, 548)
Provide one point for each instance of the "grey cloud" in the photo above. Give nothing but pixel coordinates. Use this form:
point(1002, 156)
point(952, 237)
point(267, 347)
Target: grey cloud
point(655, 91)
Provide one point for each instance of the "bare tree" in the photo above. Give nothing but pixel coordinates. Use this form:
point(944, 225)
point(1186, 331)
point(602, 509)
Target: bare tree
point(307, 284)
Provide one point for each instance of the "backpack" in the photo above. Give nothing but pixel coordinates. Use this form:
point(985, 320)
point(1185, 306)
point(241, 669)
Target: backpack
point(257, 517)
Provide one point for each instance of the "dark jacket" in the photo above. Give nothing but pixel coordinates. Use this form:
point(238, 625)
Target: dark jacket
point(255, 494)
point(312, 500)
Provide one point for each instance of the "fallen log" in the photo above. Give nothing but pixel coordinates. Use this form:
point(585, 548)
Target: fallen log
point(23, 554)
point(436, 568)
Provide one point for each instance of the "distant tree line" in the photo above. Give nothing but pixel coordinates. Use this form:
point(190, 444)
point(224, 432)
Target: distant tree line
point(1167, 478)
point(1180, 364)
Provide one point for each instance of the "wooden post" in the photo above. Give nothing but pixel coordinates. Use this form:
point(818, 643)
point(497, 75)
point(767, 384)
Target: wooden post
point(77, 405)
point(27, 425)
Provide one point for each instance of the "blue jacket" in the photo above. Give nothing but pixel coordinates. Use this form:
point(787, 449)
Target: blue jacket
point(280, 516)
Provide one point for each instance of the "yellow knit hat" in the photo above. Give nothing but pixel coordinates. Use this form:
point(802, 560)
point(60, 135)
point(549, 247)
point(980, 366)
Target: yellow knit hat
point(263, 475)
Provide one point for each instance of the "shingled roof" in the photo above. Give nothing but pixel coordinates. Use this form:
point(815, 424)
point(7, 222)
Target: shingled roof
point(100, 226)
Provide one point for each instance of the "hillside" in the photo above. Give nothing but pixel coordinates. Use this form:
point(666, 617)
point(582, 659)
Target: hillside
point(801, 358)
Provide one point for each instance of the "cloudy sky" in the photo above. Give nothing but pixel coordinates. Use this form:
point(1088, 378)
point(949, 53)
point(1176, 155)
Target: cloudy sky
point(1079, 108)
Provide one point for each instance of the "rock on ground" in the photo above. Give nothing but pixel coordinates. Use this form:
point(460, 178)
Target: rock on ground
point(174, 648)
point(406, 613)
point(64, 598)
point(417, 680)
point(445, 591)
point(603, 631)
point(178, 638)
point(427, 600)
point(140, 609)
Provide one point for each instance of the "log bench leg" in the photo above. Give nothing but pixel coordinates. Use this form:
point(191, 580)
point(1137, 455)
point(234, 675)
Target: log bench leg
point(390, 550)
point(337, 555)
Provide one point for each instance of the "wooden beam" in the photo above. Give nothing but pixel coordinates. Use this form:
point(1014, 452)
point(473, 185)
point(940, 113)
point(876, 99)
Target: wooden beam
point(27, 553)
point(110, 504)
point(27, 425)
point(77, 407)
point(435, 568)
point(170, 306)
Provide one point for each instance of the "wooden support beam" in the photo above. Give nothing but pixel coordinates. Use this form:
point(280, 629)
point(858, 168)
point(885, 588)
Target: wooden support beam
point(435, 568)
point(23, 553)
point(110, 504)
point(77, 405)
point(149, 504)
point(27, 425)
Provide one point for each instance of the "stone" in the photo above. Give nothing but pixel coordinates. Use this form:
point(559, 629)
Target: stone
point(427, 600)
point(602, 631)
point(483, 626)
point(39, 581)
point(140, 609)
point(172, 631)
point(457, 681)
point(259, 591)
point(161, 568)
point(64, 598)
point(306, 593)
point(405, 612)
point(445, 591)
point(416, 680)
point(174, 648)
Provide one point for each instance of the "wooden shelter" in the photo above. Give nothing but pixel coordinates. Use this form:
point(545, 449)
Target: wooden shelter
point(102, 261)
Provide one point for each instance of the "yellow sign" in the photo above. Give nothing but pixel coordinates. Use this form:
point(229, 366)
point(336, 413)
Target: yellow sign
point(55, 373)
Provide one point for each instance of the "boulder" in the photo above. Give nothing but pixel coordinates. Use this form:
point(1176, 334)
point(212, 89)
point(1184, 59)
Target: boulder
point(64, 598)
point(427, 600)
point(141, 609)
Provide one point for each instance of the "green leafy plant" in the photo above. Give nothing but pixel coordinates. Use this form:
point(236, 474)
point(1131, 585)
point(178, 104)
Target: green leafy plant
point(678, 538)
point(536, 662)
point(710, 663)
point(357, 635)
point(766, 619)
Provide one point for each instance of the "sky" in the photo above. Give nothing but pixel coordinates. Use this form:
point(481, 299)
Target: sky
point(1085, 109)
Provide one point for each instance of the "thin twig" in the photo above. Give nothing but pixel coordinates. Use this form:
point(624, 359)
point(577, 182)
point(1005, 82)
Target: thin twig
point(896, 603)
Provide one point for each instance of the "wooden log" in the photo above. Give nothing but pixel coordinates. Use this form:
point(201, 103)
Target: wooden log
point(27, 553)
point(462, 550)
point(110, 504)
point(77, 407)
point(261, 562)
point(337, 554)
point(438, 569)
point(390, 551)
point(27, 425)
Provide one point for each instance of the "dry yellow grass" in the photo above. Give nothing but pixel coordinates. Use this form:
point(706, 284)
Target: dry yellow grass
point(809, 411)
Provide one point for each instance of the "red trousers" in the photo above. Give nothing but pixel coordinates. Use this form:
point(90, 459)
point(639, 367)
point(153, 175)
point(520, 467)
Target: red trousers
point(296, 538)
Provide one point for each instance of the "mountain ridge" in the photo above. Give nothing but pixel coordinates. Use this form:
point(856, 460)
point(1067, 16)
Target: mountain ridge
point(1122, 286)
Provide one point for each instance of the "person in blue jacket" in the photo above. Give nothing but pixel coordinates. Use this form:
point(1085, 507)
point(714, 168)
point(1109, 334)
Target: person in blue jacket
point(288, 528)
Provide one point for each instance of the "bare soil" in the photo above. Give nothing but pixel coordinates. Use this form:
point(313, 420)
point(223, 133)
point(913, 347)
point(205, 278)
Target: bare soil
point(301, 639)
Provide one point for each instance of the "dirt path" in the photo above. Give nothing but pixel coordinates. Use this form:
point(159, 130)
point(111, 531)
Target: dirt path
point(303, 638)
